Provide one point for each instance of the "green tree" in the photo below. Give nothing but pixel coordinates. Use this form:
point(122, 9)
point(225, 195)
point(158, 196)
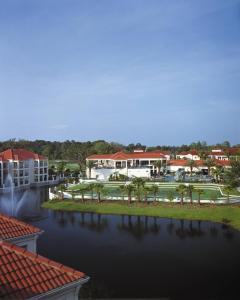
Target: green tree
point(129, 188)
point(190, 190)
point(98, 189)
point(158, 165)
point(170, 195)
point(62, 188)
point(227, 189)
point(191, 164)
point(61, 167)
point(139, 183)
point(146, 191)
point(217, 172)
point(91, 189)
point(199, 192)
point(209, 163)
point(181, 190)
point(155, 189)
point(122, 190)
point(83, 188)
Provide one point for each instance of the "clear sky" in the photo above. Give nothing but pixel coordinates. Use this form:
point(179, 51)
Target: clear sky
point(155, 72)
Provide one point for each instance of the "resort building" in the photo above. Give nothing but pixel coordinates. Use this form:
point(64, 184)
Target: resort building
point(192, 154)
point(27, 275)
point(198, 167)
point(19, 233)
point(24, 168)
point(136, 164)
point(218, 154)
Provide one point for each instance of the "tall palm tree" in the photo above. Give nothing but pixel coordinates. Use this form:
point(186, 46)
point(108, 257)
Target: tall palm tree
point(191, 164)
point(209, 163)
point(129, 188)
point(98, 189)
point(199, 192)
point(91, 189)
point(62, 188)
point(139, 184)
point(158, 165)
point(122, 190)
point(89, 165)
point(190, 190)
point(82, 188)
point(181, 190)
point(227, 189)
point(146, 190)
point(154, 189)
point(218, 171)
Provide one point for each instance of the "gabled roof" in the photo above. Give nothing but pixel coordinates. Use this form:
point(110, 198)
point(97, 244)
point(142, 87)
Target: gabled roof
point(125, 156)
point(24, 274)
point(13, 228)
point(19, 154)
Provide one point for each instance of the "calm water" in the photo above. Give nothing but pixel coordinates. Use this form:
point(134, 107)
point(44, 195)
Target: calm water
point(143, 256)
point(139, 257)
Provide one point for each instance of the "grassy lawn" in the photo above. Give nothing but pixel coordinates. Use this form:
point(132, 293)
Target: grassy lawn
point(112, 190)
point(223, 214)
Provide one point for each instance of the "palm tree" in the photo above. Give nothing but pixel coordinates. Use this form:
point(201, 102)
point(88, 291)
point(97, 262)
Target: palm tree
point(98, 188)
point(139, 184)
point(202, 154)
point(170, 195)
point(91, 189)
point(190, 190)
point(181, 189)
point(199, 192)
point(129, 188)
point(154, 189)
point(62, 188)
point(158, 165)
point(191, 164)
point(122, 190)
point(209, 163)
point(218, 171)
point(89, 165)
point(61, 166)
point(227, 189)
point(82, 188)
point(146, 190)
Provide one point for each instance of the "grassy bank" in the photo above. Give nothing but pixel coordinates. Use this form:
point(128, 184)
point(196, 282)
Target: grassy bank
point(223, 214)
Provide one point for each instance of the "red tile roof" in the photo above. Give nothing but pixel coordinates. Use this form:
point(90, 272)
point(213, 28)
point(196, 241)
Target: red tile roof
point(199, 163)
point(12, 228)
point(24, 274)
point(19, 154)
point(125, 156)
point(191, 152)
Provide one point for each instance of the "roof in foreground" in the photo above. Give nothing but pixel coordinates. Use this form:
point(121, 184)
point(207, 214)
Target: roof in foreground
point(125, 156)
point(24, 274)
point(19, 154)
point(12, 228)
point(198, 163)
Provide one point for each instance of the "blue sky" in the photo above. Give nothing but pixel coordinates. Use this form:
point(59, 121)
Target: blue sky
point(155, 72)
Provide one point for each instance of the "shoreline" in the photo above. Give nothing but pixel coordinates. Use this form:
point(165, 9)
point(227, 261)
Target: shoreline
point(225, 214)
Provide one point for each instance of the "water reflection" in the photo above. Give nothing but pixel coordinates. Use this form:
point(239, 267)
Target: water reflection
point(117, 252)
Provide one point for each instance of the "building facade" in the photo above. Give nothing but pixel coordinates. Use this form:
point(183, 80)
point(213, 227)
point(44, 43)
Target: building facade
point(136, 164)
point(23, 167)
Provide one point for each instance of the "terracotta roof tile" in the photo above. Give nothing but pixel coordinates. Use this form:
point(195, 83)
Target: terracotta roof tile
point(11, 228)
point(18, 266)
point(125, 156)
point(20, 154)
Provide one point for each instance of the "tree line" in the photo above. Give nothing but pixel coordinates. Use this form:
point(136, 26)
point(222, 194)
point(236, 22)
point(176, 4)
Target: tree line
point(78, 151)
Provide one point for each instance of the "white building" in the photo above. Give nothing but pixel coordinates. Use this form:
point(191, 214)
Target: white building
point(192, 154)
point(136, 164)
point(218, 154)
point(25, 167)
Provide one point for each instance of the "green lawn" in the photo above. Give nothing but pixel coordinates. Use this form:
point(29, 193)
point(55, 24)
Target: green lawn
point(223, 214)
point(113, 190)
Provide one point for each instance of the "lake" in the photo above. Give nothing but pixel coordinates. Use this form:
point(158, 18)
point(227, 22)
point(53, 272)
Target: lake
point(144, 257)
point(141, 257)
